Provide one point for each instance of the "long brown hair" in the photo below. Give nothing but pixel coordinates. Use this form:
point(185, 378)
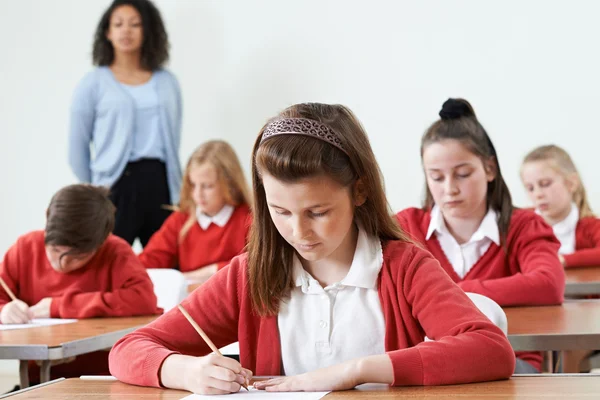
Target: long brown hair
point(230, 175)
point(290, 158)
point(80, 217)
point(458, 122)
point(560, 160)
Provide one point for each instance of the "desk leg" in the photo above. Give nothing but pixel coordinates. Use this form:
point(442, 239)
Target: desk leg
point(24, 373)
point(549, 362)
point(45, 371)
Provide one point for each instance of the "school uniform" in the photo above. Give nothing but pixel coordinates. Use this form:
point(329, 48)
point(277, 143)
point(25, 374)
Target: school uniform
point(530, 274)
point(210, 240)
point(579, 239)
point(112, 284)
point(393, 296)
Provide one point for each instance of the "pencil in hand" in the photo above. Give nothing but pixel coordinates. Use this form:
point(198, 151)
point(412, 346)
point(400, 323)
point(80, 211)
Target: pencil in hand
point(25, 318)
point(203, 335)
point(7, 290)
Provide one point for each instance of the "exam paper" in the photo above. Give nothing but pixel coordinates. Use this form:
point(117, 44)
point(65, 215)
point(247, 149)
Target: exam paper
point(261, 394)
point(36, 323)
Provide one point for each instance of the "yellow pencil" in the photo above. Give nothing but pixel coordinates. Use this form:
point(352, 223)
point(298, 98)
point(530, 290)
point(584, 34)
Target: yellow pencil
point(203, 335)
point(7, 289)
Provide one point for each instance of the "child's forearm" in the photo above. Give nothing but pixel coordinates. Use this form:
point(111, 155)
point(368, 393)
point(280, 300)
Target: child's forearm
point(172, 371)
point(202, 274)
point(375, 369)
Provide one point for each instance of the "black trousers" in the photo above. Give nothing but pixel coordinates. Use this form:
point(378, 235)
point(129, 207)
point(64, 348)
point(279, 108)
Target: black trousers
point(140, 195)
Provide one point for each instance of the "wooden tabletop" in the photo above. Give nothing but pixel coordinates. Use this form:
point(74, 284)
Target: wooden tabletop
point(527, 387)
point(55, 335)
point(37, 342)
point(574, 325)
point(582, 281)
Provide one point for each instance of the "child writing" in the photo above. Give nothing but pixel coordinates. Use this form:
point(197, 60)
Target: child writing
point(469, 224)
point(557, 192)
point(213, 220)
point(331, 292)
point(75, 268)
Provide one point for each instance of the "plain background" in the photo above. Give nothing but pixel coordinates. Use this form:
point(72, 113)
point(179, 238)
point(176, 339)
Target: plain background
point(528, 67)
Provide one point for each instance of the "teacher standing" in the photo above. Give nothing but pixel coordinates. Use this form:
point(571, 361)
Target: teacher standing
point(125, 124)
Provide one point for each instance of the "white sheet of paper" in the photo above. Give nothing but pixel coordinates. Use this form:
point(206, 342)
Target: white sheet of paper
point(261, 394)
point(36, 323)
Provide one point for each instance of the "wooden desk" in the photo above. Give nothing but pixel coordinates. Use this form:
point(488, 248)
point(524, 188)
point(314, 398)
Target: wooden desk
point(575, 325)
point(582, 281)
point(522, 387)
point(58, 342)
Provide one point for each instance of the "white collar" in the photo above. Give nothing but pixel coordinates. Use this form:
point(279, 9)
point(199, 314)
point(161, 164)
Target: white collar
point(569, 224)
point(487, 229)
point(364, 270)
point(220, 219)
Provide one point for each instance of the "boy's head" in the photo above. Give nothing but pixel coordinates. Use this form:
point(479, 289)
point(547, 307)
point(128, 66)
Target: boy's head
point(78, 221)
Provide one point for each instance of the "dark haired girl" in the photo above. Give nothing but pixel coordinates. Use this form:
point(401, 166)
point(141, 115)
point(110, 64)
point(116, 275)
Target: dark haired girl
point(469, 224)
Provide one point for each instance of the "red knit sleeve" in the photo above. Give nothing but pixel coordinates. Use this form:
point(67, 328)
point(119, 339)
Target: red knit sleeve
point(465, 347)
point(540, 279)
point(414, 222)
point(587, 239)
point(8, 272)
point(138, 357)
point(162, 251)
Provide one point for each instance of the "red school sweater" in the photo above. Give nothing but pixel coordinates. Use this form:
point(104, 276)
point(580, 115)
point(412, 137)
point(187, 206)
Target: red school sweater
point(199, 248)
point(418, 299)
point(112, 284)
point(587, 244)
point(530, 275)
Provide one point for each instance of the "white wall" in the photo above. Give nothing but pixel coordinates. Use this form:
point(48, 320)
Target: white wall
point(529, 68)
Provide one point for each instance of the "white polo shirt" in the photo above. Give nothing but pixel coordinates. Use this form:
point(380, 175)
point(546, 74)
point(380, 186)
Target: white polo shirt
point(462, 257)
point(220, 219)
point(565, 231)
point(320, 327)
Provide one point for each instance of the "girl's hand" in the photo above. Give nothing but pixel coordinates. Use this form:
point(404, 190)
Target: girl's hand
point(201, 274)
point(16, 312)
point(42, 308)
point(561, 259)
point(211, 374)
point(214, 374)
point(338, 377)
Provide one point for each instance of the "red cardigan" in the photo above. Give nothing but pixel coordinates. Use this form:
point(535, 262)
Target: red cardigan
point(530, 275)
point(587, 244)
point(112, 284)
point(199, 248)
point(417, 297)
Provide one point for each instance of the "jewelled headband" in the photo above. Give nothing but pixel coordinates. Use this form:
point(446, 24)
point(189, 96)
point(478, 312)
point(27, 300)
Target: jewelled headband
point(303, 126)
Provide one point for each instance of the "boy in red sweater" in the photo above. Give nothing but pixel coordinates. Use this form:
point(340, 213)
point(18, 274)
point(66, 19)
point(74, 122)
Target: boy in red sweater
point(75, 268)
point(331, 294)
point(212, 223)
point(469, 225)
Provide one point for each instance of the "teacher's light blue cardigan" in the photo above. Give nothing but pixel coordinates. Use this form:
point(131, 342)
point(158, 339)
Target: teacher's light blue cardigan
point(103, 114)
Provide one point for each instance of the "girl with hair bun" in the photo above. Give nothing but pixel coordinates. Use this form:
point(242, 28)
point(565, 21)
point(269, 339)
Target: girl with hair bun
point(469, 224)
